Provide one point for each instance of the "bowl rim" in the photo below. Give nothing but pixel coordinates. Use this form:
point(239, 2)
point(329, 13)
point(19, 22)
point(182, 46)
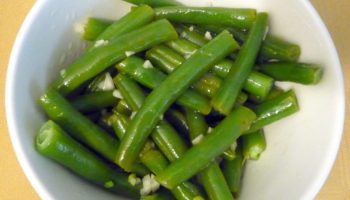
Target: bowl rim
point(40, 187)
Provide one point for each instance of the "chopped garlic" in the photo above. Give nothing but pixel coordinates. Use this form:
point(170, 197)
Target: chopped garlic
point(147, 64)
point(63, 72)
point(233, 146)
point(149, 184)
point(183, 34)
point(210, 129)
point(107, 84)
point(161, 117)
point(198, 139)
point(146, 185)
point(100, 43)
point(129, 53)
point(133, 115)
point(191, 28)
point(79, 28)
point(117, 94)
point(208, 36)
point(133, 179)
point(154, 184)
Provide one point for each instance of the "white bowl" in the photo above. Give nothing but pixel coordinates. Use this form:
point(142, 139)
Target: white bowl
point(301, 148)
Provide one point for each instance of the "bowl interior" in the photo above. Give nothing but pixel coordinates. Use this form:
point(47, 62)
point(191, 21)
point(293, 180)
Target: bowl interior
point(301, 148)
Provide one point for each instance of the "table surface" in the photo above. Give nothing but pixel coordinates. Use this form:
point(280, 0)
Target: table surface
point(14, 185)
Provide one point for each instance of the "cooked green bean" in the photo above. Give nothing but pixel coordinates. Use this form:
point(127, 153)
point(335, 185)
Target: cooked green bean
point(167, 60)
point(123, 108)
point(295, 72)
point(214, 144)
point(178, 120)
point(225, 98)
point(272, 48)
point(196, 123)
point(192, 34)
point(275, 109)
point(233, 171)
point(94, 101)
point(214, 183)
point(155, 3)
point(236, 17)
point(253, 144)
point(256, 83)
point(130, 91)
point(81, 128)
point(95, 61)
point(53, 142)
point(165, 94)
point(93, 27)
point(153, 78)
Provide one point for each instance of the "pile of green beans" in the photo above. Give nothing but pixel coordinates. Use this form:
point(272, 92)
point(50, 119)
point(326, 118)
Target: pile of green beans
point(170, 102)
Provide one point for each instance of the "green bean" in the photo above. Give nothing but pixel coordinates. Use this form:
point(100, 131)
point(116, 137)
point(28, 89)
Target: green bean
point(214, 144)
point(53, 142)
point(95, 61)
point(164, 58)
point(196, 123)
point(94, 101)
point(240, 18)
point(272, 48)
point(275, 91)
point(136, 18)
point(295, 72)
point(164, 135)
point(81, 128)
point(119, 123)
point(156, 162)
point(167, 60)
point(123, 108)
point(178, 120)
point(233, 170)
point(253, 145)
point(153, 78)
point(168, 141)
point(155, 3)
point(274, 110)
point(214, 182)
point(165, 94)
point(225, 98)
point(192, 34)
point(257, 83)
point(93, 27)
point(130, 91)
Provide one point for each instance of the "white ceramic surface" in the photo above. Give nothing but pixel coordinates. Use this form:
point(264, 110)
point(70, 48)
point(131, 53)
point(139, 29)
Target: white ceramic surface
point(301, 149)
